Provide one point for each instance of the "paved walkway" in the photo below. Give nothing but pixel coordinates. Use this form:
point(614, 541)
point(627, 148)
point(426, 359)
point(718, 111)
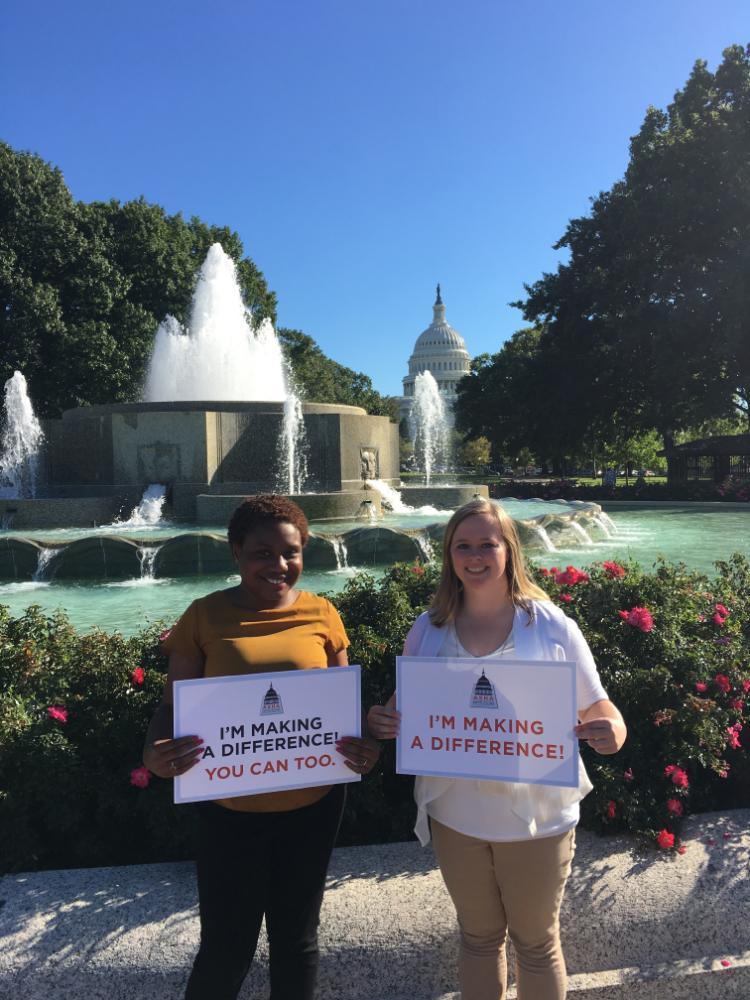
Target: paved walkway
point(637, 924)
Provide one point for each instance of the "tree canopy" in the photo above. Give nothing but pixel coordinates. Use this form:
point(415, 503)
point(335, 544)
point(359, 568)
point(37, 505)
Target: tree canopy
point(84, 286)
point(647, 325)
point(325, 381)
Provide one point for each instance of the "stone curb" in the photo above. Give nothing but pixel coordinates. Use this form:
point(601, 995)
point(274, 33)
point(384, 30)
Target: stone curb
point(637, 924)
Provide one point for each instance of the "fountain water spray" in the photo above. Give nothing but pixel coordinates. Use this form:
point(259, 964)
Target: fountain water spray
point(21, 442)
point(224, 355)
point(392, 500)
point(429, 424)
point(148, 512)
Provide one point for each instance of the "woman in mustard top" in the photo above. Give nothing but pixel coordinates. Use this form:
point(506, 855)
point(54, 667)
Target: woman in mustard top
point(266, 854)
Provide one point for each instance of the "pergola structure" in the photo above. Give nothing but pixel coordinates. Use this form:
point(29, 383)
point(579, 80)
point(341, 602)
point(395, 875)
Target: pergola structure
point(709, 459)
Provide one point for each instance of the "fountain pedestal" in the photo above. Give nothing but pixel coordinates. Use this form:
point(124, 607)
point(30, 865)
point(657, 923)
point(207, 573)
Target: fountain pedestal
point(100, 458)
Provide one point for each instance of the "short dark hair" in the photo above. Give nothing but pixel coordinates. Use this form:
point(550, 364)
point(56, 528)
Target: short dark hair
point(263, 509)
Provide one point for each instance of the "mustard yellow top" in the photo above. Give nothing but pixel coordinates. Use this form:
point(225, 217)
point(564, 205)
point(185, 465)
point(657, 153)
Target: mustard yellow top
point(234, 640)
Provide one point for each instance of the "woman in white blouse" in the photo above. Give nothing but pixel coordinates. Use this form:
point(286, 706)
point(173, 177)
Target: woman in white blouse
point(504, 849)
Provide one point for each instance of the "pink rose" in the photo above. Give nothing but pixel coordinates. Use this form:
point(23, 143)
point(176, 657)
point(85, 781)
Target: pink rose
point(58, 713)
point(140, 777)
point(639, 618)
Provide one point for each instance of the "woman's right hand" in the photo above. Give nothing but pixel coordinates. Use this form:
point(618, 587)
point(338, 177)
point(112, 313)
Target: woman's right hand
point(168, 758)
point(384, 721)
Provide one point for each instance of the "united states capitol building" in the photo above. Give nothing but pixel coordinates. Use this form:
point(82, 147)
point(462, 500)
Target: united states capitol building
point(441, 351)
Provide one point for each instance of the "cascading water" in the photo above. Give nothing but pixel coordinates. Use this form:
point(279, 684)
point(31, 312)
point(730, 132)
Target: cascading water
point(292, 447)
point(339, 550)
point(579, 530)
point(223, 355)
point(21, 442)
point(547, 544)
point(148, 512)
point(424, 542)
point(147, 559)
point(391, 499)
point(429, 424)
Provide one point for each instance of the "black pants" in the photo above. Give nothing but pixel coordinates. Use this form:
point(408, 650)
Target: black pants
point(251, 864)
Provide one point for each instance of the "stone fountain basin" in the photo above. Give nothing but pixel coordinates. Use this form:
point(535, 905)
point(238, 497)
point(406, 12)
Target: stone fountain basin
point(186, 553)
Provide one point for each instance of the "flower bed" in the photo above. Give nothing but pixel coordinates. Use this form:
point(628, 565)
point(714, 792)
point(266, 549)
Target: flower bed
point(673, 650)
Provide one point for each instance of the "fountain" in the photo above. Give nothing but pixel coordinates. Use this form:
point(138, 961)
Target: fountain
point(429, 424)
point(21, 442)
point(223, 355)
point(220, 419)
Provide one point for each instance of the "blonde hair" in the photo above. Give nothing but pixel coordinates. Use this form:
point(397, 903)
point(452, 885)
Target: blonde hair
point(522, 590)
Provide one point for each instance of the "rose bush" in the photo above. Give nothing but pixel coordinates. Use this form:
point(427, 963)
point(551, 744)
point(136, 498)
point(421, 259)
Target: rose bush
point(74, 709)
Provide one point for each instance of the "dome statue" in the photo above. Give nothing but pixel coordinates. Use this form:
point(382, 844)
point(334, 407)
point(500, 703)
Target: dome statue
point(272, 703)
point(440, 350)
point(484, 693)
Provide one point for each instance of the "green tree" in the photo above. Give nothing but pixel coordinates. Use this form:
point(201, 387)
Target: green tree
point(646, 324)
point(325, 381)
point(83, 287)
point(475, 453)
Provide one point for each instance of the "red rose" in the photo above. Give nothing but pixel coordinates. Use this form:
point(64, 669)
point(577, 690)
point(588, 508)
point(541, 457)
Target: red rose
point(613, 570)
point(675, 807)
point(665, 839)
point(58, 713)
point(611, 809)
point(138, 676)
point(567, 598)
point(678, 776)
point(701, 686)
point(722, 683)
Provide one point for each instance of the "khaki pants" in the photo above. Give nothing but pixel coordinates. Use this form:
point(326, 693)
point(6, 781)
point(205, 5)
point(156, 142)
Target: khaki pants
point(507, 888)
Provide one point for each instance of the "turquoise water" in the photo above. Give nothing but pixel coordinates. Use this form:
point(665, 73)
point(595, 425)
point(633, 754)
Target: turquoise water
point(697, 539)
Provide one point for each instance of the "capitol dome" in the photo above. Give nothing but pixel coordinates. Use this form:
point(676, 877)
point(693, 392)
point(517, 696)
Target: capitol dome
point(440, 350)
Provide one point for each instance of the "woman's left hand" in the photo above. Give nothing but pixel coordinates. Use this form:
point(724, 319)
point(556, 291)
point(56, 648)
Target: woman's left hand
point(360, 753)
point(603, 734)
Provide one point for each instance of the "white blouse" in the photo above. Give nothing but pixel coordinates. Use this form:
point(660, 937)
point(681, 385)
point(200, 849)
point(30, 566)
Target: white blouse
point(489, 810)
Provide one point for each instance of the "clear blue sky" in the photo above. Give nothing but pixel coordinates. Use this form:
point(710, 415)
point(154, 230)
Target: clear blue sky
point(364, 151)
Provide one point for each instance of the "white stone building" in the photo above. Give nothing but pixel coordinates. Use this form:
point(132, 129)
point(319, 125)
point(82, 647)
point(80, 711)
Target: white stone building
point(441, 351)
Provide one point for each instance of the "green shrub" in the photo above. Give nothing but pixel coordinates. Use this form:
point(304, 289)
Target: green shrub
point(66, 797)
point(65, 792)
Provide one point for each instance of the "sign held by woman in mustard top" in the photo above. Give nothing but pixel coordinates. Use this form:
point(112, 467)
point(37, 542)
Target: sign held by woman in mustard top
point(502, 720)
point(267, 732)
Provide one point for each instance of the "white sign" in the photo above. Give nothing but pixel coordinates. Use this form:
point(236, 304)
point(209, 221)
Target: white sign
point(507, 720)
point(267, 732)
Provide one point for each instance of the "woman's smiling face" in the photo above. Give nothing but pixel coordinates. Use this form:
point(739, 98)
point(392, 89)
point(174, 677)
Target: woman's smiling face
point(479, 553)
point(270, 562)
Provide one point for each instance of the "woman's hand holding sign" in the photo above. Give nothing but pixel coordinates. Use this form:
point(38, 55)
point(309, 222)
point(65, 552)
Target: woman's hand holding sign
point(360, 753)
point(169, 758)
point(384, 721)
point(602, 727)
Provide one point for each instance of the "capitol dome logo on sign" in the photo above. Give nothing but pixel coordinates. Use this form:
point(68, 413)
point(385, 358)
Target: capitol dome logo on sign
point(483, 695)
point(271, 703)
